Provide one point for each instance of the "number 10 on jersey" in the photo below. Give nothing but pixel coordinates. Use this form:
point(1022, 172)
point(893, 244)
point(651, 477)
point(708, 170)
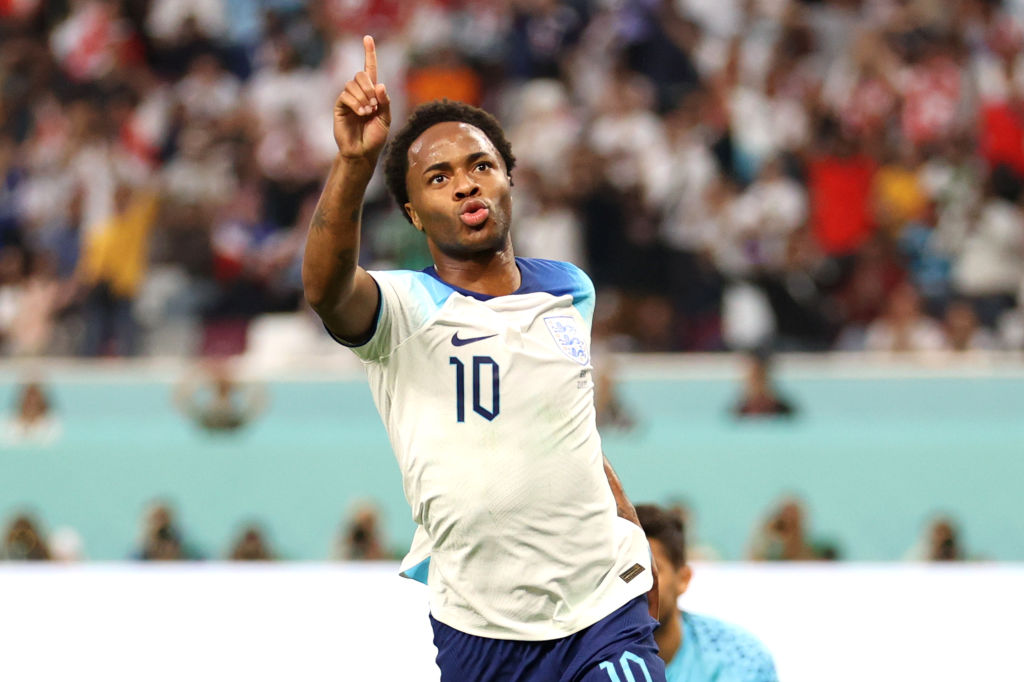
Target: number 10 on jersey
point(480, 362)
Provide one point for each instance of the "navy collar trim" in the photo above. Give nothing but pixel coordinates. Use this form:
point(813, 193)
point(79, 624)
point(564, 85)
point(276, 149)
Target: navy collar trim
point(523, 286)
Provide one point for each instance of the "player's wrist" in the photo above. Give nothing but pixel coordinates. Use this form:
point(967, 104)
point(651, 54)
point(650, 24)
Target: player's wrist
point(364, 162)
point(350, 176)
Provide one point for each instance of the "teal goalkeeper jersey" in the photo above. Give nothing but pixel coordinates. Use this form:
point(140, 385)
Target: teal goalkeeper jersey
point(713, 651)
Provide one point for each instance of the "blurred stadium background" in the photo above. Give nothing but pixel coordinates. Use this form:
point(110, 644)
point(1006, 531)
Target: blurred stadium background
point(803, 219)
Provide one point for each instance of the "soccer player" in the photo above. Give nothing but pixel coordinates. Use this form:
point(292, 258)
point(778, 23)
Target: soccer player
point(536, 565)
point(696, 648)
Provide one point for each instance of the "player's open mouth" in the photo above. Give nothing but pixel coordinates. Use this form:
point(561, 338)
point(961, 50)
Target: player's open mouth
point(474, 213)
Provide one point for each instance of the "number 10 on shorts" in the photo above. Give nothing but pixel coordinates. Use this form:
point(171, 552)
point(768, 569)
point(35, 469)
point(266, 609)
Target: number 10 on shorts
point(626, 662)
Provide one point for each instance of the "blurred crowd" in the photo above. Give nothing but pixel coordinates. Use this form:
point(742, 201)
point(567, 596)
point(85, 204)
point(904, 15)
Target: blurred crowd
point(784, 534)
point(732, 173)
point(162, 538)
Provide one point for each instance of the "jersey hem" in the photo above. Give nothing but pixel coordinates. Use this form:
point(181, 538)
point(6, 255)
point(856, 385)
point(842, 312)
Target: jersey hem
point(585, 620)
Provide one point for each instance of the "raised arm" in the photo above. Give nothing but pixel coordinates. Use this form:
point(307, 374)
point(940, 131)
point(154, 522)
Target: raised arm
point(627, 511)
point(342, 293)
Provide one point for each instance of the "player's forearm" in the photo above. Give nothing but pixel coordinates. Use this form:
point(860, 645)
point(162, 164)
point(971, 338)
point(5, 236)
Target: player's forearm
point(622, 504)
point(332, 245)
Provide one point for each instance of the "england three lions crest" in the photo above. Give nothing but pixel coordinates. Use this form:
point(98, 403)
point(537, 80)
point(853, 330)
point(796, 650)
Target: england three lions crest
point(563, 329)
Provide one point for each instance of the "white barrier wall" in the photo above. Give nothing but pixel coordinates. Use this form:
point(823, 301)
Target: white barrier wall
point(355, 622)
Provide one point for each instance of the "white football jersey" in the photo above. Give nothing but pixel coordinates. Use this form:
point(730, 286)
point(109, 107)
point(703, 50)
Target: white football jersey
point(489, 405)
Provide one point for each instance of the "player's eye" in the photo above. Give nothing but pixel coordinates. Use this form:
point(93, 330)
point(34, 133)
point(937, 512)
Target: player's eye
point(483, 165)
point(436, 179)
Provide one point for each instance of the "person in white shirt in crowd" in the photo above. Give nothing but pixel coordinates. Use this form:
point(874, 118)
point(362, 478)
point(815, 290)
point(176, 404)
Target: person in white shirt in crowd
point(990, 266)
point(904, 326)
point(33, 421)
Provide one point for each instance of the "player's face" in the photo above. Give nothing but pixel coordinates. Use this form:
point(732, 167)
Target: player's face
point(672, 582)
point(459, 190)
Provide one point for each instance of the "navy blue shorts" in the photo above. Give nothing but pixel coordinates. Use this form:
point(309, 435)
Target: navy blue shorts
point(617, 648)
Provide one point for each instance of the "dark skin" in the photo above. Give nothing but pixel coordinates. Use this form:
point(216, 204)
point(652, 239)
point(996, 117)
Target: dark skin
point(454, 168)
point(673, 579)
point(341, 292)
point(459, 198)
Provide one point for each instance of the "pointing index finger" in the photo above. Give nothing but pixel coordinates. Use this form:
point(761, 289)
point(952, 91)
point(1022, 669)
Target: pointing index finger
point(370, 63)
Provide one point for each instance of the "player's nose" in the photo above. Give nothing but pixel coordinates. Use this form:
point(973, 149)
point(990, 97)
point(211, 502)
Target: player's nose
point(464, 187)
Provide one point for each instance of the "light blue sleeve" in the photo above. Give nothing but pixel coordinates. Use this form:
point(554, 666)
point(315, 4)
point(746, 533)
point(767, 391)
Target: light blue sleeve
point(585, 297)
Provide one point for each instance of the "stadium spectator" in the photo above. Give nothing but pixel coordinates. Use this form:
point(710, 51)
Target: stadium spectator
point(759, 397)
point(963, 333)
point(990, 266)
point(941, 541)
point(161, 538)
point(32, 421)
point(360, 537)
point(12, 289)
point(40, 300)
point(928, 258)
point(547, 223)
point(200, 173)
point(208, 92)
point(168, 20)
point(226, 405)
point(869, 279)
point(783, 535)
point(898, 193)
point(114, 261)
point(443, 74)
point(23, 541)
point(66, 545)
point(840, 177)
point(546, 128)
point(93, 40)
point(688, 191)
point(612, 412)
point(251, 545)
point(904, 327)
point(695, 648)
point(11, 176)
point(764, 216)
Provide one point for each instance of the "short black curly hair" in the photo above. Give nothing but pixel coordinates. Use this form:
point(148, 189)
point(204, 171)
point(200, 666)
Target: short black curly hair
point(665, 527)
point(396, 156)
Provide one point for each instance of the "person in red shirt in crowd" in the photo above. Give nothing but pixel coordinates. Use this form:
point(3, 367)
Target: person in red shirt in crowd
point(839, 185)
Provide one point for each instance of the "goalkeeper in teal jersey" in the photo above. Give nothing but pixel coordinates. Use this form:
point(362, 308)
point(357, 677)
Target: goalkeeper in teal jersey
point(696, 648)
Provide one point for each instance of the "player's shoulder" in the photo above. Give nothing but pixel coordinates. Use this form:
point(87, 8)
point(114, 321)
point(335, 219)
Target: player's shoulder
point(734, 648)
point(553, 277)
point(558, 278)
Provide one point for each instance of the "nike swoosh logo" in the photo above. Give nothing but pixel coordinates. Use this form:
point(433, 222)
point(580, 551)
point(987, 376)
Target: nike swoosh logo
point(456, 341)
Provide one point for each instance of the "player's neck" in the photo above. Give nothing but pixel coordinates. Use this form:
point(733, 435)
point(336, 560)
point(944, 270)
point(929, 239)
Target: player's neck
point(669, 637)
point(491, 274)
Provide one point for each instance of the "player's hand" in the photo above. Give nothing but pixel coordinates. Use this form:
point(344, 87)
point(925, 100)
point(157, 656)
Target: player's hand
point(362, 112)
point(653, 603)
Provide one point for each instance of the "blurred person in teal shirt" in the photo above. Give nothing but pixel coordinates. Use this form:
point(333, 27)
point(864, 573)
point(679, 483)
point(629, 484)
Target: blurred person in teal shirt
point(696, 648)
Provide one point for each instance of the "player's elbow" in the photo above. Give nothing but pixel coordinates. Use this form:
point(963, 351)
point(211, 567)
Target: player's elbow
point(316, 296)
point(323, 293)
point(321, 299)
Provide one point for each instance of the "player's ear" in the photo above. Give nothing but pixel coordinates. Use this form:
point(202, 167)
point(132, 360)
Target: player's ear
point(683, 576)
point(411, 212)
